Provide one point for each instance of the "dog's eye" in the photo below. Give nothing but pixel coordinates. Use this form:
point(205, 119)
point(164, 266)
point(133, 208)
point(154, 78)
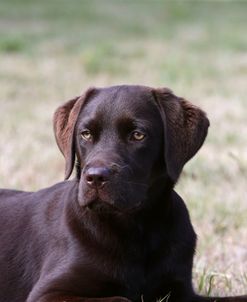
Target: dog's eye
point(137, 136)
point(86, 135)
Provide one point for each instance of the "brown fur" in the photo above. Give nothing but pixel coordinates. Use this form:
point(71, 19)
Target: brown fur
point(118, 231)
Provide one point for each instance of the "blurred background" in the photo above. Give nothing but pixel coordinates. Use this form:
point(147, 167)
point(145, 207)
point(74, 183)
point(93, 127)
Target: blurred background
point(52, 50)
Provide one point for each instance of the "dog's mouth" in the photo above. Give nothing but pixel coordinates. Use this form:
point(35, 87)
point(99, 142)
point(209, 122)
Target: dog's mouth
point(101, 206)
point(97, 200)
point(109, 199)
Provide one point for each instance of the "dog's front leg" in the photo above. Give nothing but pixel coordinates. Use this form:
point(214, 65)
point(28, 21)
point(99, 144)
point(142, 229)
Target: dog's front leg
point(67, 298)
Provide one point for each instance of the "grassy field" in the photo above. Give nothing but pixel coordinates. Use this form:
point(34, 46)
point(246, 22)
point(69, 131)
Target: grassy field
point(53, 50)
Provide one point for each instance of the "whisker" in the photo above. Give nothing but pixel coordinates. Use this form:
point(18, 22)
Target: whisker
point(120, 168)
point(135, 183)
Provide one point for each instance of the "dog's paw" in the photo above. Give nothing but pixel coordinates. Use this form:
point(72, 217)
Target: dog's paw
point(119, 299)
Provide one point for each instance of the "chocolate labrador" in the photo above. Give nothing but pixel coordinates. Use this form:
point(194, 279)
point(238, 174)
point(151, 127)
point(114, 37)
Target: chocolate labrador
point(118, 231)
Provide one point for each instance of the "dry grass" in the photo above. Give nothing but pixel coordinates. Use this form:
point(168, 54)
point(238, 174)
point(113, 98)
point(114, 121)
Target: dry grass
point(52, 50)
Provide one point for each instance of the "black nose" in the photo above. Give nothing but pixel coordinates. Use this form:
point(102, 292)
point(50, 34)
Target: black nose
point(97, 177)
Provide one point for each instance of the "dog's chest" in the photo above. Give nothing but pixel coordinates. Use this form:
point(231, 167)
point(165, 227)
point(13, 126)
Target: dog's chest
point(144, 277)
point(133, 270)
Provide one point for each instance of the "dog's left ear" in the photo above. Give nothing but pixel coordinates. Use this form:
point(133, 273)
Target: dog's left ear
point(185, 129)
point(64, 121)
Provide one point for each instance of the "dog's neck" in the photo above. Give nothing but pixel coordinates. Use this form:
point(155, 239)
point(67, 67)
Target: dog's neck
point(86, 222)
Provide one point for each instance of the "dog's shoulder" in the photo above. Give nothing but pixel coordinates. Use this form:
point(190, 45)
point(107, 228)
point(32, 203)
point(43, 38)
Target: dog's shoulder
point(8, 193)
point(181, 219)
point(10, 198)
point(178, 203)
point(15, 199)
point(57, 191)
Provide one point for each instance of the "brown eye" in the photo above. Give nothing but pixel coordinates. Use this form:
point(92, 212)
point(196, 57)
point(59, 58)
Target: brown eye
point(137, 136)
point(86, 135)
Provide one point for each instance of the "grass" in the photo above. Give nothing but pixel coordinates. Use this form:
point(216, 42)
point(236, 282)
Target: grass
point(53, 50)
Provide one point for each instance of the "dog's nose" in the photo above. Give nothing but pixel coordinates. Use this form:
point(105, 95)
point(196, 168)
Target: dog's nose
point(97, 177)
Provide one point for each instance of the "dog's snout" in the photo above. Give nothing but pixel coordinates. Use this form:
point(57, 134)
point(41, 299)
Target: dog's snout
point(97, 176)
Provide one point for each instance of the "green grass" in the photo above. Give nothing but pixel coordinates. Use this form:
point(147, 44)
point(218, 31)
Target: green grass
point(53, 50)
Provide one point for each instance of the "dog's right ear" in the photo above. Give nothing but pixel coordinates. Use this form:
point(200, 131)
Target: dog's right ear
point(64, 121)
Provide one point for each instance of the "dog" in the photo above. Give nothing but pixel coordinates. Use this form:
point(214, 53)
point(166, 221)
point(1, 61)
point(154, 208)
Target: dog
point(117, 232)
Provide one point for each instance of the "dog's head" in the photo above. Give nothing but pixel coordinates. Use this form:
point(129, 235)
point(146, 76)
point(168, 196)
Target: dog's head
point(126, 138)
